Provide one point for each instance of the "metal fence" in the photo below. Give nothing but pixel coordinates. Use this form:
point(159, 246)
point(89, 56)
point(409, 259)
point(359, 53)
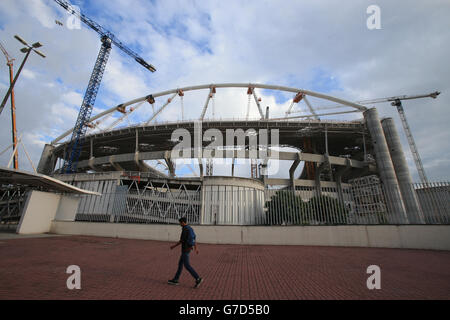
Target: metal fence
point(141, 206)
point(360, 202)
point(434, 199)
point(12, 201)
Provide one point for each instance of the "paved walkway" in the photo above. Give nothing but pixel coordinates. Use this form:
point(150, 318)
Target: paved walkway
point(7, 235)
point(35, 268)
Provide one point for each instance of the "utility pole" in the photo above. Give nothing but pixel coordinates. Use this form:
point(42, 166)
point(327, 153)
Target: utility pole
point(9, 63)
point(27, 49)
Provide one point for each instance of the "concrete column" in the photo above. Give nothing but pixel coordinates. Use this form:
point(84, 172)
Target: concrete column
point(232, 167)
point(292, 170)
point(339, 173)
point(47, 161)
point(170, 165)
point(115, 164)
point(91, 164)
point(200, 167)
point(405, 182)
point(319, 169)
point(384, 165)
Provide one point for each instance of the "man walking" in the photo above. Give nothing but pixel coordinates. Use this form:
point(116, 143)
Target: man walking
point(187, 241)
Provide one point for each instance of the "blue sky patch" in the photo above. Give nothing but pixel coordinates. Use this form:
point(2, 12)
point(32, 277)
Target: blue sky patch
point(280, 96)
point(323, 81)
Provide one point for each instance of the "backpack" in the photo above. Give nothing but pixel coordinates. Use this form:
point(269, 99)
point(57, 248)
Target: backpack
point(191, 236)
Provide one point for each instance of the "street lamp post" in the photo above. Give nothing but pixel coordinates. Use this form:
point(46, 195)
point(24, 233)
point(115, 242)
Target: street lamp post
point(27, 49)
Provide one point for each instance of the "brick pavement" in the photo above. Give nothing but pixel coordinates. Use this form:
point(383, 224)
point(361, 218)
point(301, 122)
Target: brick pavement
point(34, 268)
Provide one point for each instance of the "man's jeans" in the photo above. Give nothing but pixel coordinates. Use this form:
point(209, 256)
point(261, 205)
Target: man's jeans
point(184, 260)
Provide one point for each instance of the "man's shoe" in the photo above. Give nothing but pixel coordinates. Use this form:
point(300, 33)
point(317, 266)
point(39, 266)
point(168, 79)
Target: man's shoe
point(173, 282)
point(198, 282)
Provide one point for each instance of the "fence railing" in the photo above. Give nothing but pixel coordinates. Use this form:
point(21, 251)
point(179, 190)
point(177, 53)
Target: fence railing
point(355, 204)
point(12, 200)
point(133, 206)
point(434, 199)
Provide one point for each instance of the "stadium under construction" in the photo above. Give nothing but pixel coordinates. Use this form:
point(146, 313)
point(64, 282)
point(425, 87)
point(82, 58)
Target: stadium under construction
point(354, 171)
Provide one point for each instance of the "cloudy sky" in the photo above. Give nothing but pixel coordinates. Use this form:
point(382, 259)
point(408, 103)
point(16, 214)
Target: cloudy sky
point(323, 46)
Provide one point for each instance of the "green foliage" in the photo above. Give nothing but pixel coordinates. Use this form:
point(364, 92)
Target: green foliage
point(382, 217)
point(285, 207)
point(327, 210)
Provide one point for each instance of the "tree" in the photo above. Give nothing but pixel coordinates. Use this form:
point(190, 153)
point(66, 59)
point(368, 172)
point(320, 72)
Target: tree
point(285, 207)
point(327, 210)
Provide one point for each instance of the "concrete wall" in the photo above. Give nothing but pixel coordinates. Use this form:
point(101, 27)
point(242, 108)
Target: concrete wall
point(41, 208)
point(67, 208)
point(435, 237)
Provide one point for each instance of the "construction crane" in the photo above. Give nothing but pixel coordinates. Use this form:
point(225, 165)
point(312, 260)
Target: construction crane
point(397, 102)
point(9, 63)
point(107, 38)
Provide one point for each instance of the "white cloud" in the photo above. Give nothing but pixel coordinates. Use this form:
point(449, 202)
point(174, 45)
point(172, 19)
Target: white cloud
point(72, 98)
point(28, 74)
point(42, 12)
point(200, 42)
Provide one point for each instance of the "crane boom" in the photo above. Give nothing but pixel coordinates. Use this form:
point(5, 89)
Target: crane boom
point(9, 60)
point(104, 32)
point(73, 152)
point(412, 144)
point(404, 97)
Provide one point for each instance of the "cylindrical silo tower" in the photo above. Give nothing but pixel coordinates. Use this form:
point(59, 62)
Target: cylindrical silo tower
point(404, 179)
point(384, 164)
